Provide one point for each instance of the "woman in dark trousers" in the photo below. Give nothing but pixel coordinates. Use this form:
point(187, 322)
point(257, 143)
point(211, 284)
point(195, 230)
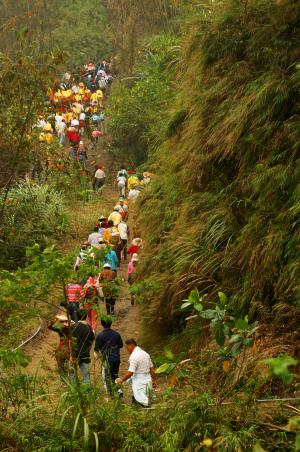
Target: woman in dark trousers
point(109, 343)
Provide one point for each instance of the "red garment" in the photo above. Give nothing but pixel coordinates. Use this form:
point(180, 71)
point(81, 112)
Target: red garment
point(74, 292)
point(74, 137)
point(93, 319)
point(92, 314)
point(65, 344)
point(61, 108)
point(133, 249)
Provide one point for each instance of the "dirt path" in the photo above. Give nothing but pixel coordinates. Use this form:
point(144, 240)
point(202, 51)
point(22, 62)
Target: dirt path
point(41, 349)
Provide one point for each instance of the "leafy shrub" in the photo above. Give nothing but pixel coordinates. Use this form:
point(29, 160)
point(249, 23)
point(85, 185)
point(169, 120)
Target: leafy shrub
point(33, 214)
point(137, 110)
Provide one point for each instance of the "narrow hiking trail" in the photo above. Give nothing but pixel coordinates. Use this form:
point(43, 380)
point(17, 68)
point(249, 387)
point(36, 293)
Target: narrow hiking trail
point(127, 321)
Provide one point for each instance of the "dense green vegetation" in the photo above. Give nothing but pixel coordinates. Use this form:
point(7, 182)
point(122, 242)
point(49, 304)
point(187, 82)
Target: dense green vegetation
point(225, 207)
point(139, 105)
point(28, 202)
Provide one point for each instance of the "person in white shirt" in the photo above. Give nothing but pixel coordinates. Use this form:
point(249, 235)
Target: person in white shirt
point(84, 253)
point(122, 208)
point(124, 235)
point(99, 179)
point(61, 128)
point(122, 172)
point(122, 185)
point(141, 372)
point(40, 123)
point(58, 119)
point(82, 116)
point(95, 237)
point(75, 123)
point(133, 194)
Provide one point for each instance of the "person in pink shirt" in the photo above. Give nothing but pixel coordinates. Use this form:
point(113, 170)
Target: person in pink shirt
point(95, 137)
point(74, 295)
point(91, 300)
point(130, 271)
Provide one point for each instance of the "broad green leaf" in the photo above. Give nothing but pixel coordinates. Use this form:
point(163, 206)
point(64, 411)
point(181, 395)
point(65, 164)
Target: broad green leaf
point(220, 313)
point(241, 324)
point(222, 298)
point(169, 355)
point(198, 307)
point(248, 342)
point(194, 296)
point(297, 442)
point(165, 368)
point(219, 334)
point(279, 367)
point(186, 305)
point(208, 314)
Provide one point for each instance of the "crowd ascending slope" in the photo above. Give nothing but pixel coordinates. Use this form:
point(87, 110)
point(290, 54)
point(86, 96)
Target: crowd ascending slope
point(76, 110)
point(109, 244)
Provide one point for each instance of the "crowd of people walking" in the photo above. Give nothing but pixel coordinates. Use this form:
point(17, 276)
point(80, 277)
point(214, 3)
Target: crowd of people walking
point(92, 300)
point(76, 116)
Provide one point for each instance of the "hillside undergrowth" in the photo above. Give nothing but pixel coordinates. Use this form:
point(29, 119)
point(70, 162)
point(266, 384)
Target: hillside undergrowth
point(223, 212)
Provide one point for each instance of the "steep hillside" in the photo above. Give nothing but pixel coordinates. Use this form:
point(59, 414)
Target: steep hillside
point(224, 212)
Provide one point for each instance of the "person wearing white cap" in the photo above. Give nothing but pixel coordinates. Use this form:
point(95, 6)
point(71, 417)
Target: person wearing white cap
point(130, 271)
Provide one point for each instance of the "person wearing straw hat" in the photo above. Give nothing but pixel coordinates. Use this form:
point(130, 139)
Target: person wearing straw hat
point(63, 352)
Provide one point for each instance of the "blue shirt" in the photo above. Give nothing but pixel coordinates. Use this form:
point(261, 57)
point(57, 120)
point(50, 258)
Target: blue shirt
point(112, 260)
point(108, 343)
